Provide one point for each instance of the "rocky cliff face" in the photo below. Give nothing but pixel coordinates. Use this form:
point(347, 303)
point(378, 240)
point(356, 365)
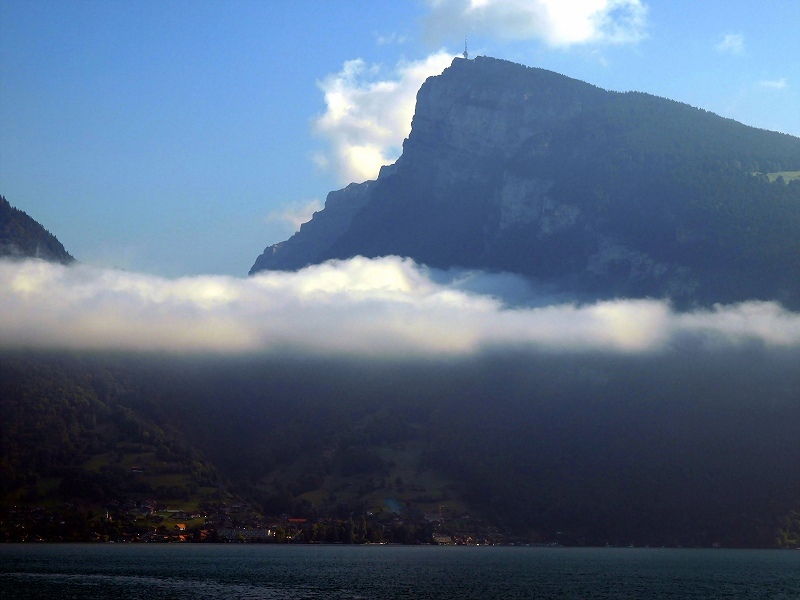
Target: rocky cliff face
point(523, 170)
point(475, 113)
point(310, 244)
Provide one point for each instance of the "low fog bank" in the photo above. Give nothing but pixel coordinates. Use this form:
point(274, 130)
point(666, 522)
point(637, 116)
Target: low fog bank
point(610, 421)
point(388, 307)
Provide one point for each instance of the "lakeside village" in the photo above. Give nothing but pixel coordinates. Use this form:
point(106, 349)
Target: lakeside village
point(147, 521)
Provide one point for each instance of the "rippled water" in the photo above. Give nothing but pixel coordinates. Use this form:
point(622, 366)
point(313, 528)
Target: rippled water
point(346, 572)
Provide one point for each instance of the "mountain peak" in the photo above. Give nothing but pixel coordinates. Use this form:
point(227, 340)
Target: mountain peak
point(520, 169)
point(23, 237)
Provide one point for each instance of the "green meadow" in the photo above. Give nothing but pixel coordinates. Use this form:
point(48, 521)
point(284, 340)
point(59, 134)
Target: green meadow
point(787, 175)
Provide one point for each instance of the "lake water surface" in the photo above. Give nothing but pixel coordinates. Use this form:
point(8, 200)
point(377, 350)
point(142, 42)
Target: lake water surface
point(272, 571)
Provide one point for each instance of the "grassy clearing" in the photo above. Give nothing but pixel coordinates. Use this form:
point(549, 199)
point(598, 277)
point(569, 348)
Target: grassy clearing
point(144, 459)
point(46, 486)
point(98, 461)
point(125, 460)
point(317, 497)
point(787, 175)
point(166, 480)
point(401, 482)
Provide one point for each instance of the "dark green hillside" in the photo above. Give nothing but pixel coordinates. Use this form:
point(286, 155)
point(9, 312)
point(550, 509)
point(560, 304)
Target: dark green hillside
point(683, 187)
point(80, 429)
point(22, 237)
point(688, 448)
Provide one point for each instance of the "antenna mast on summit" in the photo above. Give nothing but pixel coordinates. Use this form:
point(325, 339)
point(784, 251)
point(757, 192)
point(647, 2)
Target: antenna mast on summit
point(466, 54)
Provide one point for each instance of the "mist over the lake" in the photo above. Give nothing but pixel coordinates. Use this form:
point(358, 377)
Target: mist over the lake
point(388, 307)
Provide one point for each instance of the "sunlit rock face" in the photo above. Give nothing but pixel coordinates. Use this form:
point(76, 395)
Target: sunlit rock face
point(511, 168)
point(491, 108)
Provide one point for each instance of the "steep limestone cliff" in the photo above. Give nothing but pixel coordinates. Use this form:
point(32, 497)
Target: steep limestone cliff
point(512, 168)
point(476, 114)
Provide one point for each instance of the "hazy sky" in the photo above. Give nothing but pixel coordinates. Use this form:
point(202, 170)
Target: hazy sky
point(182, 137)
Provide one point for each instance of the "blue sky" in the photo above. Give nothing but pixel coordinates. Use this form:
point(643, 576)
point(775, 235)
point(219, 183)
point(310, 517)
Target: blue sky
point(179, 138)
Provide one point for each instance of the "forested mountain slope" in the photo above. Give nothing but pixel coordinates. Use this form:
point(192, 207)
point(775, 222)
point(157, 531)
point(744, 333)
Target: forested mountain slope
point(23, 237)
point(662, 450)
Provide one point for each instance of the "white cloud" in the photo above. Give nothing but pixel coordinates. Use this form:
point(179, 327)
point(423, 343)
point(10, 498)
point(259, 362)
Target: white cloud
point(559, 23)
point(385, 307)
point(369, 109)
point(776, 84)
point(732, 43)
point(295, 214)
point(392, 38)
point(369, 113)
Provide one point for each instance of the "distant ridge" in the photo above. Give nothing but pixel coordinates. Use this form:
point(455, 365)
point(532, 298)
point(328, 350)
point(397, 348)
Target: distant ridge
point(23, 237)
point(519, 169)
